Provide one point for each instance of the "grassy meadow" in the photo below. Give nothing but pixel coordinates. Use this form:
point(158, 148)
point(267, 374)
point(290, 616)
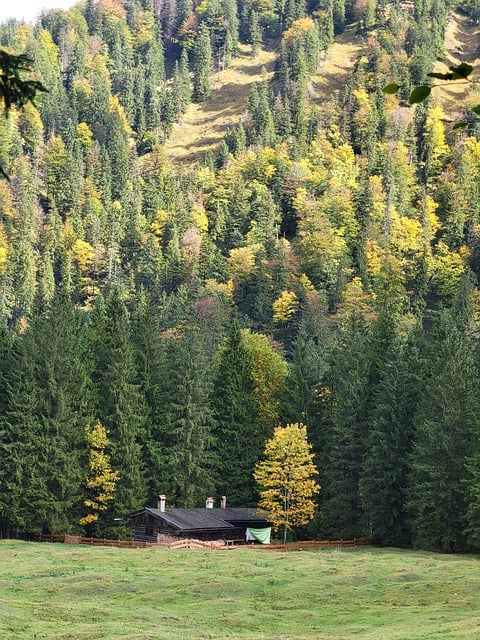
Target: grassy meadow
point(205, 124)
point(59, 591)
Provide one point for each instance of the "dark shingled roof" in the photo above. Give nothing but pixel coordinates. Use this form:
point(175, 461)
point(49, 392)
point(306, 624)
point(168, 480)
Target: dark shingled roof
point(206, 519)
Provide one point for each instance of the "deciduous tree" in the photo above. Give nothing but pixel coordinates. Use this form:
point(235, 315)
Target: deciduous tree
point(102, 479)
point(287, 478)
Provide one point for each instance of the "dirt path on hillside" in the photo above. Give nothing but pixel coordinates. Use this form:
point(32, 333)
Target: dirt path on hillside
point(462, 43)
point(204, 125)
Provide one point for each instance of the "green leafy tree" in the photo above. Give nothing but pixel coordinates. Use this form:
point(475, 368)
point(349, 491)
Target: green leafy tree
point(269, 370)
point(420, 93)
point(287, 478)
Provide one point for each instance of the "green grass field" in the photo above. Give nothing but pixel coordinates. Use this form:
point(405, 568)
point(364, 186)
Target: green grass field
point(61, 591)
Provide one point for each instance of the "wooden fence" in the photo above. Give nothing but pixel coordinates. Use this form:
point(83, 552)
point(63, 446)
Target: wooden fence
point(312, 544)
point(98, 542)
point(191, 543)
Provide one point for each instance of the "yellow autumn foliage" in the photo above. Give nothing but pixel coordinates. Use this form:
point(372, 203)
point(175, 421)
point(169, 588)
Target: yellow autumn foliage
point(159, 224)
point(285, 306)
point(102, 480)
point(287, 478)
point(448, 268)
point(84, 135)
point(219, 289)
point(199, 217)
point(84, 254)
point(3, 259)
point(298, 28)
point(241, 261)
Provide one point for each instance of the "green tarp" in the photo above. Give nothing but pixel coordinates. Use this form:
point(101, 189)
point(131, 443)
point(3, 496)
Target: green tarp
point(259, 535)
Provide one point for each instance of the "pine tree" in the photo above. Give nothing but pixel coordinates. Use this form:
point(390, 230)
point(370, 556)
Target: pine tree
point(383, 481)
point(472, 489)
point(238, 440)
point(121, 408)
point(446, 426)
point(343, 432)
point(202, 65)
point(181, 84)
point(303, 379)
point(186, 422)
point(256, 35)
point(50, 398)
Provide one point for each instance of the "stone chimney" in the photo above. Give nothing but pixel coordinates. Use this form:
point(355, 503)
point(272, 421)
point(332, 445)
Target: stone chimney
point(223, 502)
point(209, 503)
point(161, 502)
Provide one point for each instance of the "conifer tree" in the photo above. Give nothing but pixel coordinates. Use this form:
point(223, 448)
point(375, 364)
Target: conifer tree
point(256, 36)
point(186, 421)
point(344, 432)
point(181, 84)
point(303, 379)
point(202, 65)
point(49, 397)
point(446, 427)
point(238, 440)
point(383, 481)
point(121, 407)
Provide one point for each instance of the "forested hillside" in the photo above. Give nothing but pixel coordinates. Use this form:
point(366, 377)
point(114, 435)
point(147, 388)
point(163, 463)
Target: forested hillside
point(314, 259)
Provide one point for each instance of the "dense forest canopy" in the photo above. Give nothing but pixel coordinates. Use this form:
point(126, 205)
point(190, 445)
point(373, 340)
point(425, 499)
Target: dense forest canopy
point(319, 266)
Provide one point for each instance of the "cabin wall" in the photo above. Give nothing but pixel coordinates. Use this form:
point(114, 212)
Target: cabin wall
point(145, 528)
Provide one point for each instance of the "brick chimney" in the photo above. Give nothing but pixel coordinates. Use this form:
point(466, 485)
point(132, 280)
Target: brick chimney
point(209, 503)
point(223, 502)
point(161, 502)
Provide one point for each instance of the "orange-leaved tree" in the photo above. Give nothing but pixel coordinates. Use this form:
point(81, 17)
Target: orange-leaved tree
point(287, 478)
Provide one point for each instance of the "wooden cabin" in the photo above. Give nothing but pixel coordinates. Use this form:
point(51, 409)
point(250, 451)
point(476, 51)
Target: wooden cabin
point(207, 523)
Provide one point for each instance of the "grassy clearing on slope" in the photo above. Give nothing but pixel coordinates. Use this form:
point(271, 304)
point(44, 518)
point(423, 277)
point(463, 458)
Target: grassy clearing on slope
point(462, 40)
point(329, 81)
point(204, 125)
point(59, 592)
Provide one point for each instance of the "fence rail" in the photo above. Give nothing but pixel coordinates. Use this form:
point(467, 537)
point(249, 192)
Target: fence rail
point(190, 543)
point(311, 544)
point(99, 542)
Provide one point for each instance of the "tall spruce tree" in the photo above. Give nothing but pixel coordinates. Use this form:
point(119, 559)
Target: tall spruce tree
point(446, 427)
point(50, 399)
point(303, 379)
point(383, 480)
point(121, 409)
point(186, 421)
point(238, 440)
point(342, 453)
point(202, 64)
